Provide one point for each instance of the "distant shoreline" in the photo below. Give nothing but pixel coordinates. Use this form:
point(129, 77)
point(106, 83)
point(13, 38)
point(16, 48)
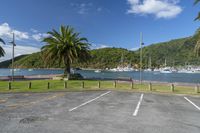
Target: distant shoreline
point(50, 76)
point(92, 69)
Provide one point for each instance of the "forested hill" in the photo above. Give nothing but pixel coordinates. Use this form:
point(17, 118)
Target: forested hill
point(176, 52)
point(7, 63)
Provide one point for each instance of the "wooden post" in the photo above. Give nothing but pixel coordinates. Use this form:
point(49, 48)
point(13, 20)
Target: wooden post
point(9, 86)
point(30, 85)
point(150, 86)
point(115, 84)
point(99, 84)
point(83, 84)
point(65, 84)
point(48, 85)
point(172, 87)
point(132, 84)
point(197, 88)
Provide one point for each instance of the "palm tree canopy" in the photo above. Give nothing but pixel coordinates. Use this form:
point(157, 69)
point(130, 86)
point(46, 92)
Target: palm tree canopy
point(65, 46)
point(198, 17)
point(2, 41)
point(2, 52)
point(197, 48)
point(196, 1)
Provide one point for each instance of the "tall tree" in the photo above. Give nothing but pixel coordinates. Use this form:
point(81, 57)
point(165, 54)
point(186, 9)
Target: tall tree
point(2, 52)
point(65, 46)
point(197, 46)
point(198, 17)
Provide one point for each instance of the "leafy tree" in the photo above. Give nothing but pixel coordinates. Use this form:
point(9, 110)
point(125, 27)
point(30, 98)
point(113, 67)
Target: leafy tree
point(197, 47)
point(198, 17)
point(2, 52)
point(177, 52)
point(65, 46)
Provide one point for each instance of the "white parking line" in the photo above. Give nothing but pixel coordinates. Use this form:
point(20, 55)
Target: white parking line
point(138, 105)
point(192, 103)
point(72, 109)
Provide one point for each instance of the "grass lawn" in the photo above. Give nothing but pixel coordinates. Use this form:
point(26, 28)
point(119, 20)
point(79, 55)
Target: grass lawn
point(77, 85)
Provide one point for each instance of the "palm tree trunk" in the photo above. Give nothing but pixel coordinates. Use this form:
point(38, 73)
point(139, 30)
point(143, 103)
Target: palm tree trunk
point(67, 69)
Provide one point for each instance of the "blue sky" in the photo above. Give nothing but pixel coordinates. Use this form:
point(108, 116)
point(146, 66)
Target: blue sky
point(114, 23)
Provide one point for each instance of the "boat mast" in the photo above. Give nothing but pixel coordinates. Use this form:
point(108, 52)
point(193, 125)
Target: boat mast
point(150, 62)
point(122, 60)
point(165, 62)
point(141, 44)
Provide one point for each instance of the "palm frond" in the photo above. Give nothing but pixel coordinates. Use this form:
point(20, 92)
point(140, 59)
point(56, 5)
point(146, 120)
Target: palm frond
point(197, 48)
point(198, 17)
point(1, 40)
point(2, 52)
point(65, 46)
point(196, 2)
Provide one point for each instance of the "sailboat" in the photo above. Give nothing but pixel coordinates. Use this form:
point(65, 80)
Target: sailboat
point(186, 69)
point(149, 66)
point(30, 69)
point(121, 68)
point(166, 69)
point(97, 71)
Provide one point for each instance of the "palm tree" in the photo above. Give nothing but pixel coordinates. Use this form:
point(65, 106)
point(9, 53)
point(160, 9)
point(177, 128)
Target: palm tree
point(198, 17)
point(2, 52)
point(65, 47)
point(197, 46)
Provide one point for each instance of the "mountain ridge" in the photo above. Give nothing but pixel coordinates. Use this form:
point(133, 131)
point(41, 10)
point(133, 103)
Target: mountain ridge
point(176, 52)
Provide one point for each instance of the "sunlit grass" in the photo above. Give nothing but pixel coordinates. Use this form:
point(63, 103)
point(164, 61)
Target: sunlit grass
point(81, 85)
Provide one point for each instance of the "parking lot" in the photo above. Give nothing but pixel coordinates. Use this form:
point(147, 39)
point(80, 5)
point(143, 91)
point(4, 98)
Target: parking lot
point(99, 112)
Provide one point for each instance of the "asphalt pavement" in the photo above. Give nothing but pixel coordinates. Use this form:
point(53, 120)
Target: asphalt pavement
point(99, 112)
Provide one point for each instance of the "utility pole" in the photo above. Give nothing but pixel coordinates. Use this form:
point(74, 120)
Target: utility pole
point(141, 44)
point(165, 62)
point(149, 63)
point(13, 55)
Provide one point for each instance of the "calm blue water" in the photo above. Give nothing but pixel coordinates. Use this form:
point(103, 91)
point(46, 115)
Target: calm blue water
point(151, 76)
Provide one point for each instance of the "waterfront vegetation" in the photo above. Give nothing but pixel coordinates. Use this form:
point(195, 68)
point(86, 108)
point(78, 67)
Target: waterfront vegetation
point(2, 52)
point(65, 46)
point(198, 16)
point(176, 52)
point(197, 46)
point(65, 49)
point(88, 85)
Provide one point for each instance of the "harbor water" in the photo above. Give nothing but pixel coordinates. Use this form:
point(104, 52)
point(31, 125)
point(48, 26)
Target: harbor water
point(148, 76)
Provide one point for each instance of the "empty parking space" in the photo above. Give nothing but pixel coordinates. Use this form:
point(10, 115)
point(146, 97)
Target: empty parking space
point(110, 113)
point(193, 101)
point(166, 113)
point(98, 111)
point(87, 102)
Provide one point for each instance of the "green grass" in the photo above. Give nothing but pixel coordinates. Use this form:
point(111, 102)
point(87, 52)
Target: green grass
point(77, 85)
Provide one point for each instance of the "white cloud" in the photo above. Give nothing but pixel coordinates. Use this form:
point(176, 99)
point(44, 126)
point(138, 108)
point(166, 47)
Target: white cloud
point(85, 8)
point(34, 30)
point(19, 50)
point(82, 8)
point(135, 49)
point(99, 9)
point(159, 8)
point(133, 1)
point(7, 31)
point(97, 46)
point(39, 36)
point(103, 46)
